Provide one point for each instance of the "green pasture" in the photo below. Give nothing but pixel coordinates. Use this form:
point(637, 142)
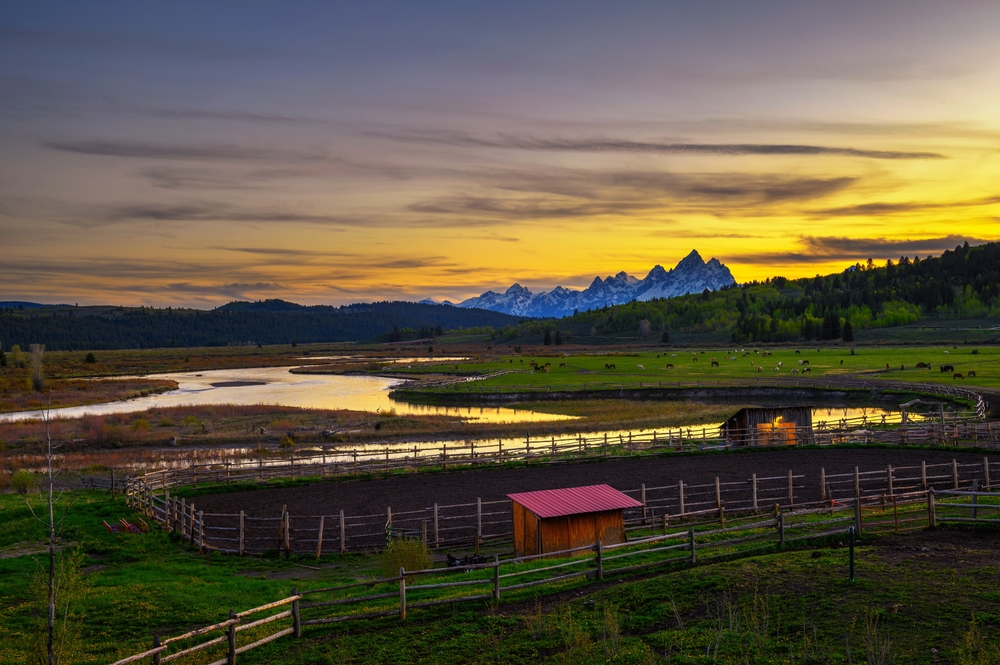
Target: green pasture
point(577, 370)
point(140, 585)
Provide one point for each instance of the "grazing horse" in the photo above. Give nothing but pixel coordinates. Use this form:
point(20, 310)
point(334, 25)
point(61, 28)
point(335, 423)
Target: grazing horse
point(669, 366)
point(795, 370)
point(760, 369)
point(957, 375)
point(562, 364)
point(841, 362)
point(923, 366)
point(806, 369)
point(971, 373)
point(715, 363)
point(947, 368)
point(639, 367)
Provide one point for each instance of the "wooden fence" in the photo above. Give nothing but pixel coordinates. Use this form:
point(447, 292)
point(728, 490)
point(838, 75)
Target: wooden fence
point(691, 541)
point(488, 523)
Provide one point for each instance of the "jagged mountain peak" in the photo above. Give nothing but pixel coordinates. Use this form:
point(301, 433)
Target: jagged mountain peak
point(691, 275)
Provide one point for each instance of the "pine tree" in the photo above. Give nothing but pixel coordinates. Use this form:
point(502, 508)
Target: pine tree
point(558, 338)
point(547, 340)
point(848, 333)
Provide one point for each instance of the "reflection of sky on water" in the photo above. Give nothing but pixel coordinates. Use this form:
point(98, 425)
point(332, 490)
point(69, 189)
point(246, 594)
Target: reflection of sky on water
point(278, 386)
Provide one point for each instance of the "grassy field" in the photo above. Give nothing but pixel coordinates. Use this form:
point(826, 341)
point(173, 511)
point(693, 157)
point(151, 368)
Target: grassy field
point(918, 593)
point(573, 368)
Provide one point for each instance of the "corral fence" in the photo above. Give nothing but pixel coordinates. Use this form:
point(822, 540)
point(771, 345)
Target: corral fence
point(479, 524)
point(685, 541)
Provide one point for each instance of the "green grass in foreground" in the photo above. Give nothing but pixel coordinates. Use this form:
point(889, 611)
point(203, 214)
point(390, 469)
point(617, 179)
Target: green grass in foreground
point(581, 370)
point(777, 607)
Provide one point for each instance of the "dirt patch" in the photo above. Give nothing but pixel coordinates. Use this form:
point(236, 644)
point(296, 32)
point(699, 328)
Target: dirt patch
point(419, 490)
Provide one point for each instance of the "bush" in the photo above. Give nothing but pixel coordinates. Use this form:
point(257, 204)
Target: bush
point(286, 443)
point(140, 425)
point(165, 422)
point(406, 553)
point(91, 358)
point(22, 481)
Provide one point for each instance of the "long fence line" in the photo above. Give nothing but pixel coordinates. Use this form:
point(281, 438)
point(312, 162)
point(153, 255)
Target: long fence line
point(330, 461)
point(478, 524)
point(694, 539)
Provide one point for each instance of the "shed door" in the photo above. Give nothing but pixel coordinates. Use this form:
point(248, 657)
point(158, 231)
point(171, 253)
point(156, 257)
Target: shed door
point(530, 533)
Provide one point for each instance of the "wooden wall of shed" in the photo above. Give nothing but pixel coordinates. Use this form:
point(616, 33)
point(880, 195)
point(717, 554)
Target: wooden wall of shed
point(569, 531)
point(525, 530)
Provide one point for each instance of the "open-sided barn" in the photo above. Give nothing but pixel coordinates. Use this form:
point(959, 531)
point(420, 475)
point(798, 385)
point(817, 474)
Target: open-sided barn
point(561, 519)
point(769, 426)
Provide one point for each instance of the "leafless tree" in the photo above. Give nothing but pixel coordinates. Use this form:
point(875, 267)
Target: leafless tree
point(37, 375)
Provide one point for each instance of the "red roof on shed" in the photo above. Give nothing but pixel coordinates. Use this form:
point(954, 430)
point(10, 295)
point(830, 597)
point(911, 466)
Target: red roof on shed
point(574, 500)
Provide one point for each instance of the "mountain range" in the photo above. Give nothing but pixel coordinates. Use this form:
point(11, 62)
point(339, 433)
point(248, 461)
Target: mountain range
point(691, 275)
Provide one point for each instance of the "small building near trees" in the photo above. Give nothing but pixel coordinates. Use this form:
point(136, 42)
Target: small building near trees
point(769, 426)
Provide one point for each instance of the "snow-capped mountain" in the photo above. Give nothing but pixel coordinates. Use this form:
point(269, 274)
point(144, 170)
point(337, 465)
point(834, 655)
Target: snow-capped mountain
point(691, 275)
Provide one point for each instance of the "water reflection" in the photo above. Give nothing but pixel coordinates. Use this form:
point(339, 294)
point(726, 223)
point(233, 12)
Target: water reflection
point(278, 386)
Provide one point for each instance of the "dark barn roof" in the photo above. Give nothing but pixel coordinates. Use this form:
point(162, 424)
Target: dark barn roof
point(574, 500)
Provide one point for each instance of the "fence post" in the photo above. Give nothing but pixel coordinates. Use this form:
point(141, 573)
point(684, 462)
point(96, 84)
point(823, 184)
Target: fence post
point(242, 527)
point(643, 499)
point(722, 517)
point(343, 533)
point(479, 522)
point(231, 635)
point(496, 577)
point(437, 540)
point(296, 620)
point(822, 484)
point(694, 554)
point(954, 471)
point(975, 500)
point(923, 474)
point(600, 561)
point(986, 474)
point(156, 645)
point(791, 488)
point(931, 509)
point(857, 488)
point(754, 480)
point(288, 535)
point(857, 517)
point(191, 523)
point(166, 510)
point(680, 491)
point(201, 532)
point(888, 476)
point(781, 529)
point(183, 519)
point(664, 523)
point(319, 539)
point(718, 494)
point(402, 594)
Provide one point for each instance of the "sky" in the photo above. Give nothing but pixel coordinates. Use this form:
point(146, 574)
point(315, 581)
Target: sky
point(190, 154)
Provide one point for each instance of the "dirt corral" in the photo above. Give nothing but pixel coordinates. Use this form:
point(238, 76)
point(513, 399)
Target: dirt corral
point(420, 490)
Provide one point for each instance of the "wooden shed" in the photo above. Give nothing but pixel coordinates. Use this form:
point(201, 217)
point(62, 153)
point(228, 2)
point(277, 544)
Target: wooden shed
point(777, 426)
point(561, 519)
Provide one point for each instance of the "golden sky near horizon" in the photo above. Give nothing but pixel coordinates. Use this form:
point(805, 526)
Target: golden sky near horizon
point(331, 154)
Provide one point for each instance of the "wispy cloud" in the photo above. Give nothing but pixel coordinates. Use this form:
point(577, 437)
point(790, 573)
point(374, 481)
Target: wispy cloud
point(879, 208)
point(207, 152)
point(153, 44)
point(823, 249)
point(622, 145)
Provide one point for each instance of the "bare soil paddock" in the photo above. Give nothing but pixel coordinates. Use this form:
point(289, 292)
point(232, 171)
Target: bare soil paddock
point(419, 490)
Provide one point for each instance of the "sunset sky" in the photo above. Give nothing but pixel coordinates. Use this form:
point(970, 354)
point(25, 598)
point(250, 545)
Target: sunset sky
point(191, 154)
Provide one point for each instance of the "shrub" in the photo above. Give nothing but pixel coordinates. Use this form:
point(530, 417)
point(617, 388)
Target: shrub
point(165, 422)
point(190, 421)
point(286, 443)
point(17, 356)
point(37, 375)
point(406, 553)
point(22, 481)
point(140, 425)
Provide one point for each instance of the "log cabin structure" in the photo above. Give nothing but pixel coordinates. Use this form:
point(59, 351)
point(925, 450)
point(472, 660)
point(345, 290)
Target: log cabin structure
point(561, 519)
point(777, 426)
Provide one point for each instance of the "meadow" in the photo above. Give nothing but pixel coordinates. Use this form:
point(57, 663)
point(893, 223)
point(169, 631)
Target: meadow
point(924, 597)
point(575, 368)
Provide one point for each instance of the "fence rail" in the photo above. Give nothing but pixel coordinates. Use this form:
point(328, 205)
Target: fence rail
point(692, 540)
point(489, 523)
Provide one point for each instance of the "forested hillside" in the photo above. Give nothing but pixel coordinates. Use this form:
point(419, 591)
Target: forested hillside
point(964, 283)
point(268, 322)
